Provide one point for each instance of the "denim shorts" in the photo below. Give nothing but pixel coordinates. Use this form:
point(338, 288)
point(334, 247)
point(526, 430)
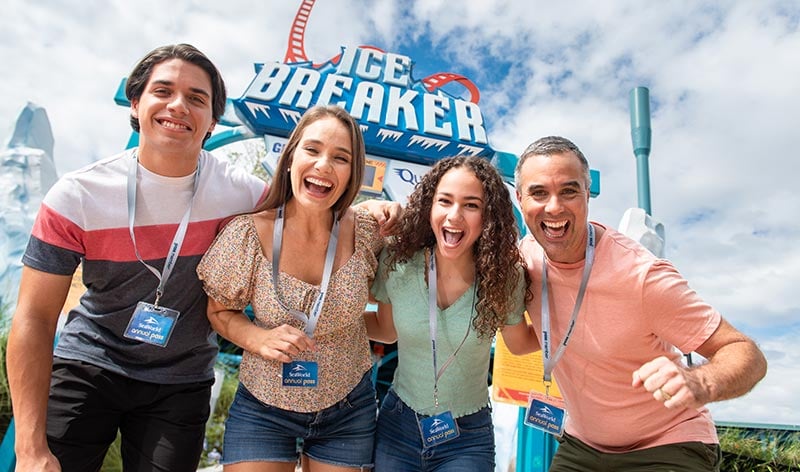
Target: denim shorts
point(398, 446)
point(342, 434)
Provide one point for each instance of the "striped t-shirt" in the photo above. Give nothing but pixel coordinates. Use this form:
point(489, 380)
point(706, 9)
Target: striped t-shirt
point(84, 218)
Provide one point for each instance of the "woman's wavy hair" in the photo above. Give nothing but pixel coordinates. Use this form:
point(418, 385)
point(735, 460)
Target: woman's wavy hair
point(280, 190)
point(497, 259)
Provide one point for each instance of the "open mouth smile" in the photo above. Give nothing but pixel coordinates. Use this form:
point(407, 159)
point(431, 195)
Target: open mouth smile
point(555, 229)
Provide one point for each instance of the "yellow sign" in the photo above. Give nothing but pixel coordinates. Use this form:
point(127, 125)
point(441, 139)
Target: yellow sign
point(513, 377)
point(374, 172)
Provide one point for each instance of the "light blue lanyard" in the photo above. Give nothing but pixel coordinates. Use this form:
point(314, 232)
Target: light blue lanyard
point(316, 309)
point(434, 326)
point(180, 234)
point(550, 363)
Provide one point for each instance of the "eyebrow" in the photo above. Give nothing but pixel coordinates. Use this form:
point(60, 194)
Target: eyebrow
point(570, 184)
point(169, 83)
point(468, 197)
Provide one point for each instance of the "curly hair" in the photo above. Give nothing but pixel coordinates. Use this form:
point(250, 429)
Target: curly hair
point(497, 259)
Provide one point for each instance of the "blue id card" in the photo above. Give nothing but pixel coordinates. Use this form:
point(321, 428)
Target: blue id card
point(299, 374)
point(546, 414)
point(151, 324)
point(438, 429)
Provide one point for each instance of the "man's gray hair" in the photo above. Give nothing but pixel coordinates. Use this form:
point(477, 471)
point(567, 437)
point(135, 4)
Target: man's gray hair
point(552, 145)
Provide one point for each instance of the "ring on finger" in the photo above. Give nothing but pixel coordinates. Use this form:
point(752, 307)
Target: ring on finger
point(664, 394)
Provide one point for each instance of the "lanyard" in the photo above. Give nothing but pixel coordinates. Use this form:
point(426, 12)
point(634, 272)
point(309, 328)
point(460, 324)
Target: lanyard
point(277, 238)
point(180, 233)
point(432, 311)
point(550, 363)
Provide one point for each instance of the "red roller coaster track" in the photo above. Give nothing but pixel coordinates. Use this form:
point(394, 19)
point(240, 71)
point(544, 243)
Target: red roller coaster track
point(295, 52)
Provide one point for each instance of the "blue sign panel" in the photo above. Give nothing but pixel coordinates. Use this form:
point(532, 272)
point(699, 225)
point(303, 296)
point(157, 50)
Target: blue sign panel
point(398, 115)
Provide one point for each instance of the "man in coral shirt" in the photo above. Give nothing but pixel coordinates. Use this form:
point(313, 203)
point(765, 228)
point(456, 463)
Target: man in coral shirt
point(612, 331)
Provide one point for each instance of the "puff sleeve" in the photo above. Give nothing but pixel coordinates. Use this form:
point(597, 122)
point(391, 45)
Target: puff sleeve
point(229, 266)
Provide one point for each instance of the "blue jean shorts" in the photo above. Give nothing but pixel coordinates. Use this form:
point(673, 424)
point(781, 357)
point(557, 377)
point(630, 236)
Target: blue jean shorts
point(342, 434)
point(399, 448)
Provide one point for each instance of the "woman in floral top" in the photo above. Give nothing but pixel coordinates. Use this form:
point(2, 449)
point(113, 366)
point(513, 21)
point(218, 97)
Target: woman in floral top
point(305, 369)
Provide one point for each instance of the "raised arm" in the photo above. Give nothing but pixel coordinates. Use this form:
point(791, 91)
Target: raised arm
point(380, 324)
point(387, 213)
point(278, 344)
point(30, 360)
point(735, 364)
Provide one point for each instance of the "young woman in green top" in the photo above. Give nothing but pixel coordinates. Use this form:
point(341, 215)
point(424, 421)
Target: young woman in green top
point(450, 278)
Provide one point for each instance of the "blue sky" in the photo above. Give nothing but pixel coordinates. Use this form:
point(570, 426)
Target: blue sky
point(725, 101)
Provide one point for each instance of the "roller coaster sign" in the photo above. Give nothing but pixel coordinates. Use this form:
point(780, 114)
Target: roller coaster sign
point(398, 115)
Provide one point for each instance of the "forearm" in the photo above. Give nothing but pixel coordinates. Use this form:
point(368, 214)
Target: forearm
point(520, 338)
point(731, 372)
point(236, 327)
point(378, 331)
point(29, 361)
point(278, 344)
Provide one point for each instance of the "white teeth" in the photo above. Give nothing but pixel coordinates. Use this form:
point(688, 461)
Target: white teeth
point(321, 183)
point(169, 124)
point(452, 236)
point(553, 225)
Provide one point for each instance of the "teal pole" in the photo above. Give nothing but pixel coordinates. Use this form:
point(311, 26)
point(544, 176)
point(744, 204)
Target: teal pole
point(535, 448)
point(641, 136)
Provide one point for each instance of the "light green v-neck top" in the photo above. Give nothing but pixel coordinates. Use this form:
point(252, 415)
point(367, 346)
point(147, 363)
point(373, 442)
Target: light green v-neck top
point(463, 385)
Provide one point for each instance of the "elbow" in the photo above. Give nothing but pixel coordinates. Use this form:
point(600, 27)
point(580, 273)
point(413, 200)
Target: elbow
point(216, 322)
point(385, 338)
point(516, 350)
point(756, 363)
point(761, 366)
point(519, 349)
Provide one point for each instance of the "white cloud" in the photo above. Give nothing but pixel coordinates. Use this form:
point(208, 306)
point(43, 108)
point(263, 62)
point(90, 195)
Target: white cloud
point(775, 398)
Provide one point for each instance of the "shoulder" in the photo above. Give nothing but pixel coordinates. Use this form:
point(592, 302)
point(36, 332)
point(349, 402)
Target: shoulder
point(238, 237)
point(616, 245)
point(93, 187)
point(263, 221)
point(415, 265)
point(217, 168)
point(240, 226)
point(96, 172)
point(530, 251)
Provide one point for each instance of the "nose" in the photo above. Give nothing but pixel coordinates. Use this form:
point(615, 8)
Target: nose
point(454, 213)
point(553, 204)
point(325, 162)
point(178, 104)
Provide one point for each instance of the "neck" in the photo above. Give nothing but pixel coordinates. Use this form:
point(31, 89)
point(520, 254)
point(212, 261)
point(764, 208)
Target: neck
point(172, 165)
point(307, 221)
point(462, 268)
